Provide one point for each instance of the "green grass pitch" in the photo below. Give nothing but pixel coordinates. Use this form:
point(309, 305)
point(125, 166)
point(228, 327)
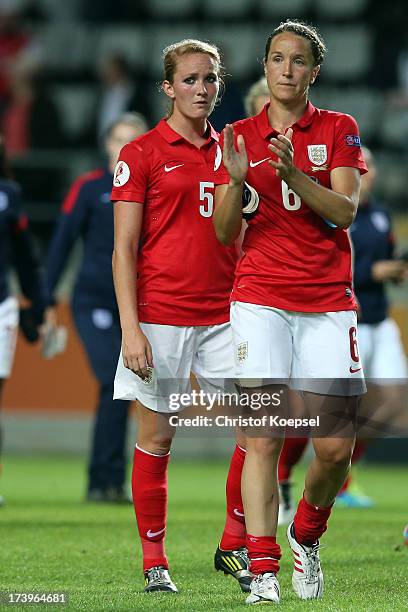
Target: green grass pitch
point(51, 541)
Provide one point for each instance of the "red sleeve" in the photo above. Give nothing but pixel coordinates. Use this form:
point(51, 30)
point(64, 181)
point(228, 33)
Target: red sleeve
point(347, 146)
point(130, 178)
point(221, 176)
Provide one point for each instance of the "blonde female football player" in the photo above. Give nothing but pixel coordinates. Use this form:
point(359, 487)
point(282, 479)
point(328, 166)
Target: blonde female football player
point(172, 279)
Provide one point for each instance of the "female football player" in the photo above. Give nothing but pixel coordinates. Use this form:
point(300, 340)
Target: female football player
point(172, 279)
point(293, 308)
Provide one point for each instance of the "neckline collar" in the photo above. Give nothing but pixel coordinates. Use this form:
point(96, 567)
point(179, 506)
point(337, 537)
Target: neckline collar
point(172, 136)
point(266, 129)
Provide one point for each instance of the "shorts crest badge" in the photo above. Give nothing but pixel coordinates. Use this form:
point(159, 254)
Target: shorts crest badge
point(242, 352)
point(149, 377)
point(317, 154)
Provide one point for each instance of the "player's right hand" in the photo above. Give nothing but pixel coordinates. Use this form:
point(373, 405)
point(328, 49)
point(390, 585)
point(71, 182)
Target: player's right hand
point(137, 353)
point(50, 320)
point(235, 160)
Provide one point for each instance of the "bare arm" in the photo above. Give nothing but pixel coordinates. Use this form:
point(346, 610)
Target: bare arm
point(227, 216)
point(338, 204)
point(390, 270)
point(136, 350)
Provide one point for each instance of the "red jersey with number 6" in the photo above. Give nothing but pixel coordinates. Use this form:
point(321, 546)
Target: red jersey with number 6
point(294, 259)
point(185, 275)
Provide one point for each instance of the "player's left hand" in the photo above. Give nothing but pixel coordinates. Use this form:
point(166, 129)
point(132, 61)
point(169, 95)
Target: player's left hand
point(283, 148)
point(29, 325)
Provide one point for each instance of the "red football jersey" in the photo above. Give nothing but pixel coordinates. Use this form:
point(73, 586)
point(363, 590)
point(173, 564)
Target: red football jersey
point(292, 258)
point(185, 275)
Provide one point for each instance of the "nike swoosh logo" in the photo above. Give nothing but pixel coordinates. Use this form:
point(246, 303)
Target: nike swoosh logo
point(353, 371)
point(238, 513)
point(170, 168)
point(253, 164)
point(152, 534)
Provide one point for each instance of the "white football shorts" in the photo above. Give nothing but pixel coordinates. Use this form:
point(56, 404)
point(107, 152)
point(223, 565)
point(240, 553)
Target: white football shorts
point(315, 352)
point(9, 315)
point(382, 353)
point(206, 351)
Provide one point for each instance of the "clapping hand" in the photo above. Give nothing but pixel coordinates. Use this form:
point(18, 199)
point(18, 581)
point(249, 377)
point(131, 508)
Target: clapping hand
point(283, 148)
point(235, 160)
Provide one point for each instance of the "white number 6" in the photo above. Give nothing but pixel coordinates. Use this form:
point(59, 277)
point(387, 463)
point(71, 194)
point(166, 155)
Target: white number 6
point(286, 193)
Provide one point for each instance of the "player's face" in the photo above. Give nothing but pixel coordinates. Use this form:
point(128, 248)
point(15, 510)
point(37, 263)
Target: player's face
point(120, 135)
point(195, 85)
point(289, 68)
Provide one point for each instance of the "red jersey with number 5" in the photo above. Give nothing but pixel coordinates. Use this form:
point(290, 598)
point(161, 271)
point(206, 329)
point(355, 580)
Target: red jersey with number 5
point(185, 275)
point(292, 258)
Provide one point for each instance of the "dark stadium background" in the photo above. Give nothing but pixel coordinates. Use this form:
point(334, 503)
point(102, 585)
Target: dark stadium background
point(366, 74)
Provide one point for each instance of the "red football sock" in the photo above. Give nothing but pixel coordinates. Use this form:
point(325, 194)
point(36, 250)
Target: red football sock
point(310, 522)
point(292, 451)
point(359, 450)
point(345, 485)
point(234, 533)
point(149, 487)
point(264, 554)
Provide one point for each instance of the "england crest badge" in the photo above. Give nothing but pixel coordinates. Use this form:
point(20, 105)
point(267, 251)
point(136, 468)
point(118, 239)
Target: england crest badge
point(317, 154)
point(242, 352)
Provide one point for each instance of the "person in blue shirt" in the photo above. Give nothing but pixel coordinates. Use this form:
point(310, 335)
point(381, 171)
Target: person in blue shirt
point(87, 213)
point(376, 264)
point(382, 354)
point(379, 339)
point(375, 261)
point(18, 251)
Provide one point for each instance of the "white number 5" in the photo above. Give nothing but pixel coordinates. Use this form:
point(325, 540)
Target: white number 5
point(206, 210)
point(296, 202)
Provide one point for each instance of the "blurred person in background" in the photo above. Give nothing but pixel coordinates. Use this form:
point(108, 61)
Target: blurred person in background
point(172, 290)
point(256, 97)
point(31, 119)
point(118, 93)
point(376, 263)
point(17, 45)
point(381, 349)
point(87, 214)
point(17, 250)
